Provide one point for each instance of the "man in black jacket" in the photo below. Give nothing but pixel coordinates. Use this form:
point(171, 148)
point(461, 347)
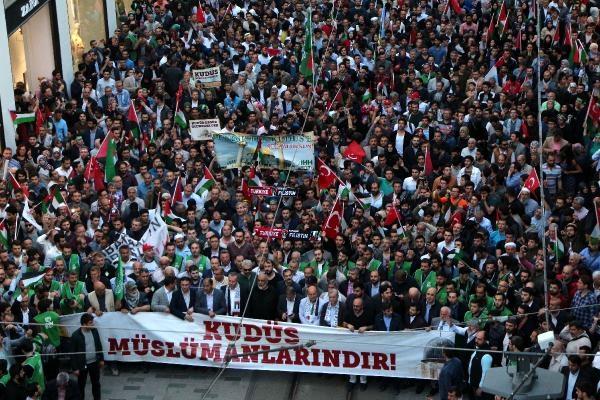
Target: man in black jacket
point(263, 302)
point(88, 357)
point(183, 300)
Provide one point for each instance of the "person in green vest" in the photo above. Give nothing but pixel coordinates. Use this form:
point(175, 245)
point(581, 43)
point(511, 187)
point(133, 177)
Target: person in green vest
point(464, 283)
point(198, 259)
point(33, 366)
point(425, 277)
point(500, 309)
point(344, 263)
point(319, 264)
point(373, 264)
point(72, 295)
point(4, 375)
point(477, 311)
point(48, 283)
point(49, 322)
point(72, 260)
point(175, 260)
point(398, 263)
point(440, 285)
point(480, 294)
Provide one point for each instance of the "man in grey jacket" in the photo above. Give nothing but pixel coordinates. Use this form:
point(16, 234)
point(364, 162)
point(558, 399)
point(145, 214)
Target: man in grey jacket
point(162, 297)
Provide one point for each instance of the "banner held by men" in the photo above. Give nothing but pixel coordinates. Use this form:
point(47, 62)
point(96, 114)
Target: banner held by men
point(163, 338)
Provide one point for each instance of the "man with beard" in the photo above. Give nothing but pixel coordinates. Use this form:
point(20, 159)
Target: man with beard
point(479, 364)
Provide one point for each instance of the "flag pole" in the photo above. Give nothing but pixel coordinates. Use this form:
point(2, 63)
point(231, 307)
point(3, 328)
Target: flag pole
point(541, 153)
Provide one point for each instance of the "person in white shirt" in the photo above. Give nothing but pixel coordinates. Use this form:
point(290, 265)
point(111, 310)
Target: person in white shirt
point(309, 307)
point(409, 184)
point(469, 169)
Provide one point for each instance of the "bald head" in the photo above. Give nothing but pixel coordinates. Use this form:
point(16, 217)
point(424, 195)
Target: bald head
point(99, 287)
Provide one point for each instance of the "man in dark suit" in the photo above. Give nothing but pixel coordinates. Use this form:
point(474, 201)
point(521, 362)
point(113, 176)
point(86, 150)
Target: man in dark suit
point(414, 319)
point(22, 312)
point(457, 308)
point(388, 320)
point(574, 375)
point(83, 365)
point(209, 301)
point(92, 133)
point(288, 305)
point(183, 300)
point(332, 313)
point(236, 295)
point(430, 308)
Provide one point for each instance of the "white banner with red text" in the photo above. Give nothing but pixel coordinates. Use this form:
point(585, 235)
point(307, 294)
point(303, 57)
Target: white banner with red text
point(266, 345)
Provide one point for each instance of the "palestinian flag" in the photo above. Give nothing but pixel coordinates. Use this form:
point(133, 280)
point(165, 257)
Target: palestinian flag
point(180, 119)
point(132, 118)
point(308, 61)
point(401, 232)
point(559, 248)
point(53, 201)
point(22, 118)
point(3, 234)
point(502, 20)
point(385, 186)
point(365, 202)
point(253, 180)
point(119, 289)
point(168, 215)
point(578, 55)
point(206, 183)
point(15, 186)
point(344, 190)
point(111, 160)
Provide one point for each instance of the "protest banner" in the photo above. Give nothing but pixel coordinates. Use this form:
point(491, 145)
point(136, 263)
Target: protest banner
point(295, 152)
point(157, 233)
point(112, 252)
point(278, 233)
point(202, 129)
point(267, 345)
point(209, 77)
point(260, 190)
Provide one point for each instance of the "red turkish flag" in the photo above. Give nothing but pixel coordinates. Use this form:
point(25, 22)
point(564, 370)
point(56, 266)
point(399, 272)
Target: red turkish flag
point(532, 182)
point(456, 6)
point(594, 113)
point(392, 217)
point(178, 193)
point(334, 221)
point(428, 163)
point(326, 176)
point(355, 152)
point(200, 16)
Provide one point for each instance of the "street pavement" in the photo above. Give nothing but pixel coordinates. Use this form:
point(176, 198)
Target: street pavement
point(166, 382)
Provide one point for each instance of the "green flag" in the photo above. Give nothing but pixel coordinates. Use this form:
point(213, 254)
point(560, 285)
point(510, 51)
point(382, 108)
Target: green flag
point(111, 160)
point(308, 61)
point(118, 292)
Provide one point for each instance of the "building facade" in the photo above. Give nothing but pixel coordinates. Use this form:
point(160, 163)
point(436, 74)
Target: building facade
point(38, 37)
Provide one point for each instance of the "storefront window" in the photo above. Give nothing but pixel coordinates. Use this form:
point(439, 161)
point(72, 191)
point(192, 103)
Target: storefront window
point(31, 63)
point(86, 23)
point(123, 7)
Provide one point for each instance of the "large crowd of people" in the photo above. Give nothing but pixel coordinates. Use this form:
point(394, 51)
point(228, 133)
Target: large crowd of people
point(477, 130)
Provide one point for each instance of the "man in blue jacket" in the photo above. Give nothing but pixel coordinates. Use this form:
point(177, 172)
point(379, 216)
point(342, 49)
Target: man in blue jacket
point(451, 374)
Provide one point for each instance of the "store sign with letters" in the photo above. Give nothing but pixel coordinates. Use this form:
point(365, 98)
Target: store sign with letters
point(21, 10)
